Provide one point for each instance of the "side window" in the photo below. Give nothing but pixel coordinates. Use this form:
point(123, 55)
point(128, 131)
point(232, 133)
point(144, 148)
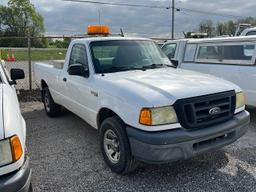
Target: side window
point(209, 52)
point(251, 33)
point(249, 50)
point(226, 54)
point(190, 52)
point(169, 50)
point(78, 55)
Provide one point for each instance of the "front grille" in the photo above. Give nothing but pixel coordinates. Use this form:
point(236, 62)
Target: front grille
point(203, 111)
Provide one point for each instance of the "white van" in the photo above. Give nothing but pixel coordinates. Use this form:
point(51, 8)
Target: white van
point(231, 58)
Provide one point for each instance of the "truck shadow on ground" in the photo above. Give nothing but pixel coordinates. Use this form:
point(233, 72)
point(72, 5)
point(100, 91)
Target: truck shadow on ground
point(65, 156)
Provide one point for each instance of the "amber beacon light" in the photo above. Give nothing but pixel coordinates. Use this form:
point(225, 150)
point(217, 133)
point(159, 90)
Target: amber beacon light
point(97, 30)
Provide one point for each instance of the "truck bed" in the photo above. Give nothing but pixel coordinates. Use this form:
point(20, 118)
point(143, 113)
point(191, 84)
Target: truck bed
point(48, 72)
point(56, 63)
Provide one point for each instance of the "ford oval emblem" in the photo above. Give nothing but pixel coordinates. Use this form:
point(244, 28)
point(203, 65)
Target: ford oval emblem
point(214, 111)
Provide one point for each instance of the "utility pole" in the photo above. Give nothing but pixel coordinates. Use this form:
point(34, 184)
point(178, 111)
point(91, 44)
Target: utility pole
point(29, 59)
point(99, 17)
point(173, 19)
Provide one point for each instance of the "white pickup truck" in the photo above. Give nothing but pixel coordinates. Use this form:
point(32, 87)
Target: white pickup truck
point(144, 108)
point(15, 172)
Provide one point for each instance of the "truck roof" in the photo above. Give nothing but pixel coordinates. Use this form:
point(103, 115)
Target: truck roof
point(93, 39)
point(245, 31)
point(219, 39)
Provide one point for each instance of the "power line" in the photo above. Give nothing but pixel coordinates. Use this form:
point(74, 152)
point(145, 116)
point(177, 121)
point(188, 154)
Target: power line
point(207, 12)
point(156, 7)
point(171, 6)
point(120, 4)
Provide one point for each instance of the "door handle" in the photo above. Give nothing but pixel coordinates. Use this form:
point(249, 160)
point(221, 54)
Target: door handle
point(65, 79)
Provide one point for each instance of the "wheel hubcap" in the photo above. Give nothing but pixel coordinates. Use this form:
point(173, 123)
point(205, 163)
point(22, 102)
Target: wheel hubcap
point(111, 146)
point(47, 102)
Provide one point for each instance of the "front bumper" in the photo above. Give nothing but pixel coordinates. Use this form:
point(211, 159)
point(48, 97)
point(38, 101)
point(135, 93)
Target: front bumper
point(17, 181)
point(178, 144)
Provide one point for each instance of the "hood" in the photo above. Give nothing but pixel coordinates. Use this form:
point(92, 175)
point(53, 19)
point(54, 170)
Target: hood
point(159, 87)
point(1, 113)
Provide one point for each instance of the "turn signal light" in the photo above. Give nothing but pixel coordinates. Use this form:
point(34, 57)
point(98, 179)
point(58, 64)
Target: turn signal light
point(16, 148)
point(145, 117)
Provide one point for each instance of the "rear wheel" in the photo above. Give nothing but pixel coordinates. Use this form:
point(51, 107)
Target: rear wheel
point(52, 109)
point(115, 146)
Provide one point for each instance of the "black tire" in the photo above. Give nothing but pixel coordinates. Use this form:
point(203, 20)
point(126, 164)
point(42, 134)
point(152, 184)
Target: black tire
point(126, 162)
point(52, 109)
point(30, 189)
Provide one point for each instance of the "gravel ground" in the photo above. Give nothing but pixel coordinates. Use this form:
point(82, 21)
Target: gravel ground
point(65, 156)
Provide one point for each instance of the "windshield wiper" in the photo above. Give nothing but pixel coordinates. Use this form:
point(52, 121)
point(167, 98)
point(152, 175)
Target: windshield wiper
point(153, 66)
point(142, 68)
point(116, 68)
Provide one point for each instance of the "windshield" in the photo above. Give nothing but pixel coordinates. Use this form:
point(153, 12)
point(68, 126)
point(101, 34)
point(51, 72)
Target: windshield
point(169, 50)
point(122, 55)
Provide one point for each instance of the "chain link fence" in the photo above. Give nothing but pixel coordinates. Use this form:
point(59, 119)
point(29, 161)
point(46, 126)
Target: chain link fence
point(24, 52)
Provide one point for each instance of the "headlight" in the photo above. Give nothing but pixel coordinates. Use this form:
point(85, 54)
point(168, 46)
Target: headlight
point(240, 100)
point(158, 116)
point(6, 152)
point(10, 150)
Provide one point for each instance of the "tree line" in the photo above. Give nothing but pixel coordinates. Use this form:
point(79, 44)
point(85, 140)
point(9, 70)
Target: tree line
point(223, 28)
point(19, 18)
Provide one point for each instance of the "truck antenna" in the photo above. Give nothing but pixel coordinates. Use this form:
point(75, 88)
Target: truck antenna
point(99, 17)
point(121, 32)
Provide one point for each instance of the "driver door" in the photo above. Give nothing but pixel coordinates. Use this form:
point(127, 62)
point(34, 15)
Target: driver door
point(79, 87)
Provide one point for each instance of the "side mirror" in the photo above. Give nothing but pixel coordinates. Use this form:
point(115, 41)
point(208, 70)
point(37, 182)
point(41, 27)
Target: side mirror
point(78, 70)
point(16, 74)
point(175, 62)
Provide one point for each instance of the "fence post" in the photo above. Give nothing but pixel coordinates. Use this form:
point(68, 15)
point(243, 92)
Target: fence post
point(29, 62)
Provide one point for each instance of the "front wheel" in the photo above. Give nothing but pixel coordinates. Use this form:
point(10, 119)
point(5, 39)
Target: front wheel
point(52, 109)
point(30, 188)
point(115, 146)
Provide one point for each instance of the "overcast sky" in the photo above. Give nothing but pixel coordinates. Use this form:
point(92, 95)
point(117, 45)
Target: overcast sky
point(72, 18)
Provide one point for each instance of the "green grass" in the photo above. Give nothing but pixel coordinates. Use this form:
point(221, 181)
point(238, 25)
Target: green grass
point(38, 55)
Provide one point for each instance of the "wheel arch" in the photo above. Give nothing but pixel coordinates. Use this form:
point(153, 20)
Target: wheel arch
point(105, 113)
point(43, 85)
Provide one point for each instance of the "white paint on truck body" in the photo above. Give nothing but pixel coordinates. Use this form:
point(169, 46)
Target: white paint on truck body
point(127, 92)
point(11, 120)
point(237, 65)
